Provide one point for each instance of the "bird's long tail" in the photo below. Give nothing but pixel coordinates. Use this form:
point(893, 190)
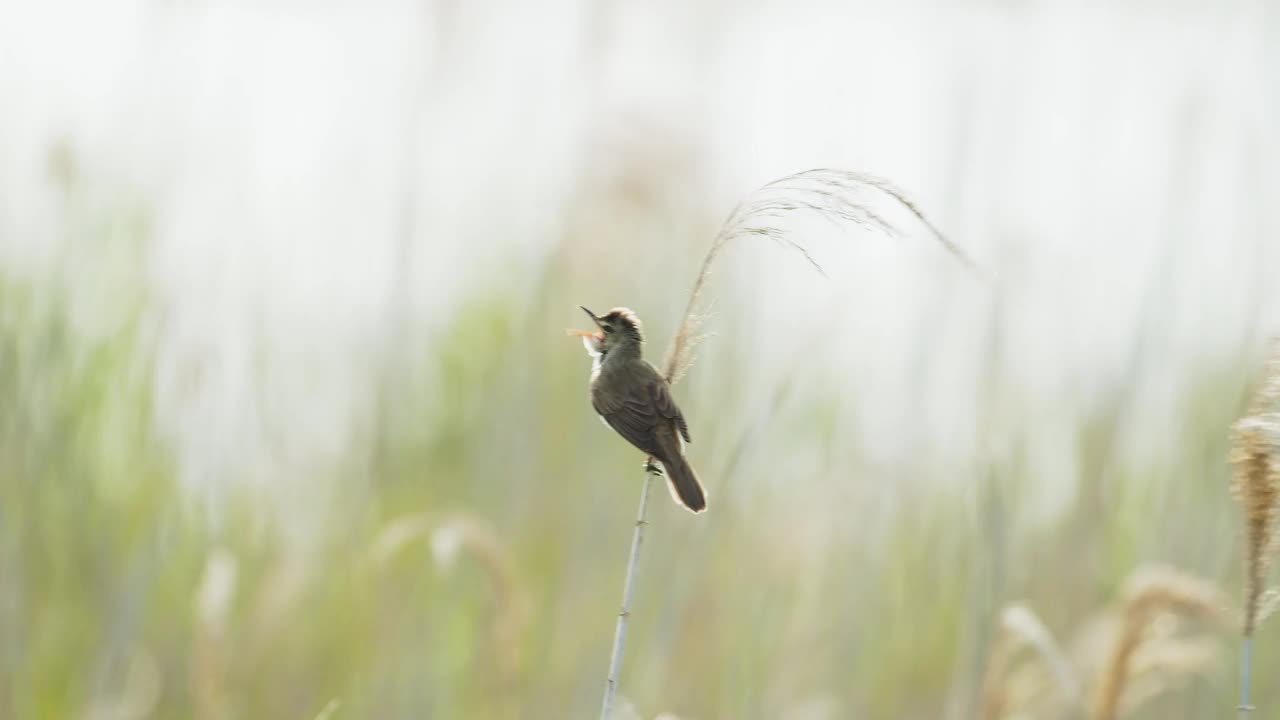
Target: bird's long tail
point(683, 483)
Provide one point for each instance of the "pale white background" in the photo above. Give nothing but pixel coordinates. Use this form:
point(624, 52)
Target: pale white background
point(325, 175)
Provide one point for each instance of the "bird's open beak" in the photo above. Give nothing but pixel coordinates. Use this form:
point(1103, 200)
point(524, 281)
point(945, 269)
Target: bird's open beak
point(591, 315)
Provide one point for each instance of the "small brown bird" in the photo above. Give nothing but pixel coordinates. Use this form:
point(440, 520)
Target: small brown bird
point(634, 399)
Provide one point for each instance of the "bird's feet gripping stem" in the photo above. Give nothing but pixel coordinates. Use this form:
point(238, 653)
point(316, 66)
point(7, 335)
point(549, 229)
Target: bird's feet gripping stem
point(651, 467)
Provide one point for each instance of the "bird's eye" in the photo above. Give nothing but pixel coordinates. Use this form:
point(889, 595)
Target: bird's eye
point(608, 329)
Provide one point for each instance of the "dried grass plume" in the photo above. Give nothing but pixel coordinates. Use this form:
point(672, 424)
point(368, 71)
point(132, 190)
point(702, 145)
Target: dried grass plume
point(450, 536)
point(1008, 684)
point(837, 195)
point(1143, 654)
point(1256, 484)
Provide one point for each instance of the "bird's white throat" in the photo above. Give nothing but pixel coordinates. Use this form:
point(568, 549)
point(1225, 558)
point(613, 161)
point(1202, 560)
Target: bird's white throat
point(597, 357)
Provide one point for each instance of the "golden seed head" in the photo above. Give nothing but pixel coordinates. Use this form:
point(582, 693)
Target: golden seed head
point(1255, 482)
point(1153, 593)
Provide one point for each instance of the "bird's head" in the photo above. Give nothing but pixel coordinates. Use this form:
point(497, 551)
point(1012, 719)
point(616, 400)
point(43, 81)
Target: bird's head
point(619, 328)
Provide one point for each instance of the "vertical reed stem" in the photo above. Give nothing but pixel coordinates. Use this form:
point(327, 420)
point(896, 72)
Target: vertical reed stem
point(1246, 676)
point(620, 634)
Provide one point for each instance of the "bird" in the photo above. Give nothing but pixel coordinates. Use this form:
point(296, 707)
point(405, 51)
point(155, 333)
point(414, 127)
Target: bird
point(634, 399)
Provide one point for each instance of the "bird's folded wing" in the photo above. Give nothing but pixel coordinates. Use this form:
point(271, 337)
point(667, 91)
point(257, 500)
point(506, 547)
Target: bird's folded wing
point(666, 406)
point(634, 419)
point(634, 415)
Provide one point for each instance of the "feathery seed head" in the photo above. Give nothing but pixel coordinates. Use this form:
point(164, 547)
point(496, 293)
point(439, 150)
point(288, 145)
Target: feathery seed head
point(1153, 593)
point(1255, 448)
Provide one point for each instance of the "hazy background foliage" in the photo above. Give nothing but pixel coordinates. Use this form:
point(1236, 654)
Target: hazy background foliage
point(290, 427)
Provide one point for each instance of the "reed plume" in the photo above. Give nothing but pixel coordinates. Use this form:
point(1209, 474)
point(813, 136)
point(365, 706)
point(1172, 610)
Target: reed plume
point(1020, 629)
point(836, 195)
point(212, 609)
point(1256, 485)
point(451, 535)
point(1152, 593)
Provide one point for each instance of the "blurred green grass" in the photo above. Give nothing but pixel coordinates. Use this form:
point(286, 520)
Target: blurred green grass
point(469, 561)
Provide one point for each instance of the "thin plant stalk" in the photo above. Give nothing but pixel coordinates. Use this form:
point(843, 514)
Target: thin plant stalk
point(624, 615)
point(1246, 675)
